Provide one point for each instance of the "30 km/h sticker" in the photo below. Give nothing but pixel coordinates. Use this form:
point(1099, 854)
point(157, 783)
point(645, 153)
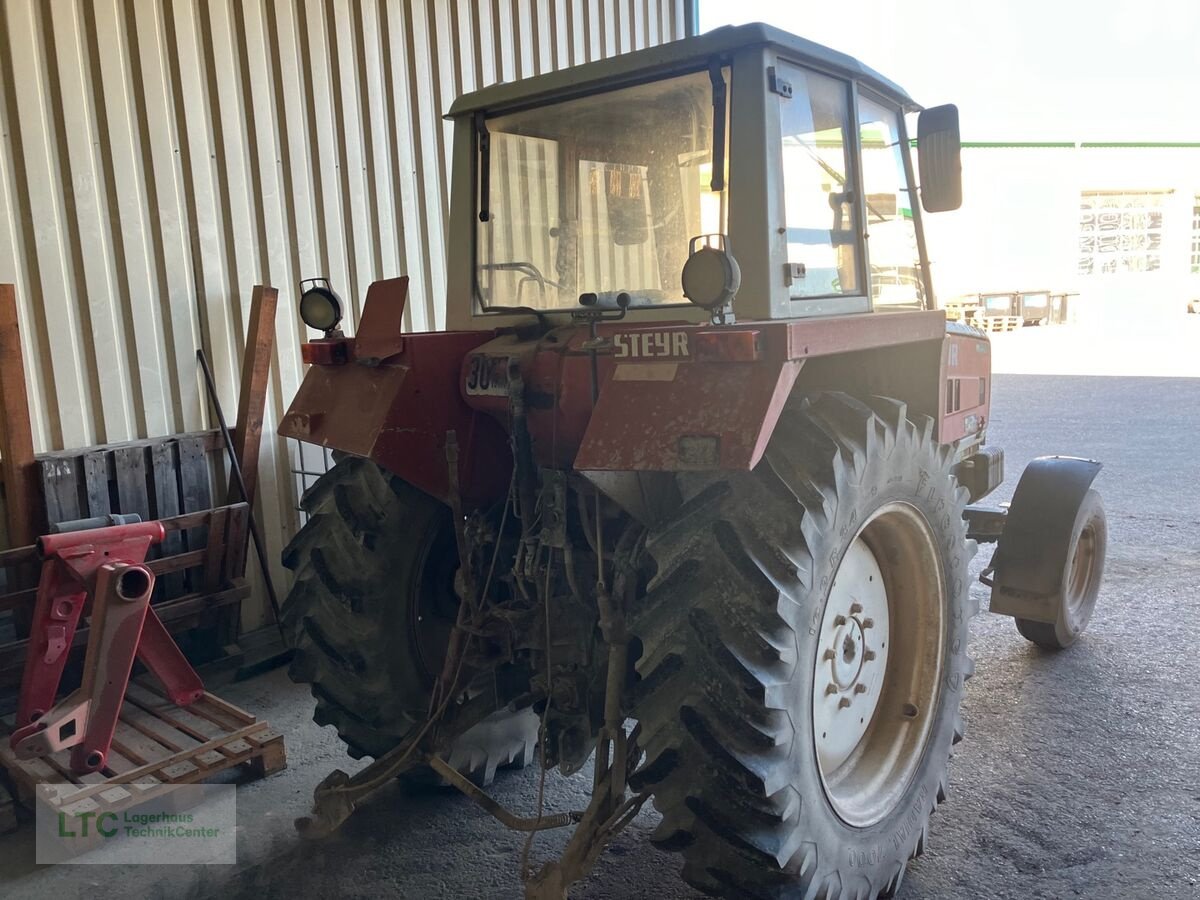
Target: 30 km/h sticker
point(487, 376)
point(641, 345)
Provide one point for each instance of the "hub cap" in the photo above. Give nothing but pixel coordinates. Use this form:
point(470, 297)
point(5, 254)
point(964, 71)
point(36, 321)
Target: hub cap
point(878, 665)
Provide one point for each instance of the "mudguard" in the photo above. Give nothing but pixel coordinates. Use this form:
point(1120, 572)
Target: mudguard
point(1032, 555)
point(714, 404)
point(393, 397)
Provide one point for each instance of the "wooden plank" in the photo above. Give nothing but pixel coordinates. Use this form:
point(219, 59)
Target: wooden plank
point(133, 495)
point(272, 759)
point(227, 709)
point(252, 396)
point(210, 441)
point(156, 729)
point(214, 560)
point(16, 432)
point(185, 521)
point(194, 492)
point(61, 488)
point(181, 609)
point(18, 556)
point(143, 761)
point(197, 727)
point(160, 764)
point(136, 746)
point(167, 565)
point(236, 542)
point(220, 712)
point(95, 479)
point(165, 468)
point(19, 599)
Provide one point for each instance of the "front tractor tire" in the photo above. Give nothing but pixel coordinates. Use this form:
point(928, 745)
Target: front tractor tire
point(1075, 600)
point(370, 615)
point(803, 655)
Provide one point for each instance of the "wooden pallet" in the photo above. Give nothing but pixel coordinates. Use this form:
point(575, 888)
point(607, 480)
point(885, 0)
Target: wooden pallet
point(997, 323)
point(157, 745)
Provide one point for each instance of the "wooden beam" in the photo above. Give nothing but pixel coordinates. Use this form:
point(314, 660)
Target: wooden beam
point(16, 432)
point(252, 398)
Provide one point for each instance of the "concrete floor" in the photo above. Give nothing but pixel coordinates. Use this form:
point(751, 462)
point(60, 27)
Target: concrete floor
point(1080, 775)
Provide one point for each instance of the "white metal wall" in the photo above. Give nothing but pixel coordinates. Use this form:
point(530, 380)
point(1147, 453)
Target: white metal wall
point(160, 157)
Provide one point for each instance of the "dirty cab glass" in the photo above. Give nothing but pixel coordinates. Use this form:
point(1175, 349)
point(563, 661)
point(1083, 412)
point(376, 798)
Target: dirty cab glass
point(818, 198)
point(891, 231)
point(597, 195)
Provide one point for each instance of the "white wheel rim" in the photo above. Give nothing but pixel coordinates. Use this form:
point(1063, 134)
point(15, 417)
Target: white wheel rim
point(1081, 580)
point(878, 664)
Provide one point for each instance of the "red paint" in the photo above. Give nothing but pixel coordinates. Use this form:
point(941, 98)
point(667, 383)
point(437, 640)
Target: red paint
point(671, 395)
point(77, 566)
point(967, 359)
point(398, 412)
point(379, 329)
point(69, 564)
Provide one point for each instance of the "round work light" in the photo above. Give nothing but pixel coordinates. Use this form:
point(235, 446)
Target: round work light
point(711, 277)
point(320, 307)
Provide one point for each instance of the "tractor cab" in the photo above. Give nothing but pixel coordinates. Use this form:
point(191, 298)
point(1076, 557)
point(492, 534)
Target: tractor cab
point(746, 171)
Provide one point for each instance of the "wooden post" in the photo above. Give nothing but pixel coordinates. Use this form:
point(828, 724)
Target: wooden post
point(247, 432)
point(252, 398)
point(16, 433)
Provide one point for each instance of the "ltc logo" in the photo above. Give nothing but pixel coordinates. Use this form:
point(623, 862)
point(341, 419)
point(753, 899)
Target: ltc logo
point(651, 345)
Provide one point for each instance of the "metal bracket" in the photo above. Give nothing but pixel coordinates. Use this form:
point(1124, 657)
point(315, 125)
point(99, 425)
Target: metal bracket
point(107, 564)
point(777, 84)
point(793, 272)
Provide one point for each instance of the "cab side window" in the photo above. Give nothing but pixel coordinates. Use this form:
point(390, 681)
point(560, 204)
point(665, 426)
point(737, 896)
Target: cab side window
point(820, 206)
point(895, 269)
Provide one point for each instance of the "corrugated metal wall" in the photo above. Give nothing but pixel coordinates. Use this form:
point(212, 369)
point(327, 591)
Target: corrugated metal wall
point(160, 157)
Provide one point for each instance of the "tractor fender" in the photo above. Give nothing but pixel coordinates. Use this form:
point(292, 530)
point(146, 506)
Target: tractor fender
point(1033, 552)
point(398, 413)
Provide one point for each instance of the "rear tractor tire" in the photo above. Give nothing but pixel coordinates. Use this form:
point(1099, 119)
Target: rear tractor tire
point(370, 615)
point(803, 655)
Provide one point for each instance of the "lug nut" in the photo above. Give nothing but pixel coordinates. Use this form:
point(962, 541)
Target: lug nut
point(831, 688)
point(839, 620)
point(855, 608)
point(843, 703)
point(860, 688)
point(868, 623)
point(829, 654)
point(868, 655)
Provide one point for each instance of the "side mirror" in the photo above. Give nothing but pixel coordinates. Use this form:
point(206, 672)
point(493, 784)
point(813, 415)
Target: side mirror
point(939, 154)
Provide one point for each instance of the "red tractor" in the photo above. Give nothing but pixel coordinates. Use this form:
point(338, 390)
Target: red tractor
point(696, 452)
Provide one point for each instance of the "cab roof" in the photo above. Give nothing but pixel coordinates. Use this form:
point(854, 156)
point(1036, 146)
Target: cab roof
point(688, 54)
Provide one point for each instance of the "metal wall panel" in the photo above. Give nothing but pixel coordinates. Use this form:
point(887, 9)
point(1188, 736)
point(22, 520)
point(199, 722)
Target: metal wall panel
point(160, 157)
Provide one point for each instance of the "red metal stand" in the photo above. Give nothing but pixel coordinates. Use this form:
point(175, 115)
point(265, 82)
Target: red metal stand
point(106, 563)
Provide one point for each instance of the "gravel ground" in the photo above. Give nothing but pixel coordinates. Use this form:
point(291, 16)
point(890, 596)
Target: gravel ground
point(1080, 775)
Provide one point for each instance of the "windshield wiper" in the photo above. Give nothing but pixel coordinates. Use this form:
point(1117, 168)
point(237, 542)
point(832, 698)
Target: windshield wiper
point(715, 75)
point(485, 166)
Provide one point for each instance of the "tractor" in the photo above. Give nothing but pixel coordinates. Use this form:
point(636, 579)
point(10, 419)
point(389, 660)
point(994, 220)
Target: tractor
point(688, 486)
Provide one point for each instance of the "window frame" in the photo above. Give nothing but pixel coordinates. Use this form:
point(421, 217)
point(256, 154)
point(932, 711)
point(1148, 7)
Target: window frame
point(859, 299)
point(914, 195)
point(694, 67)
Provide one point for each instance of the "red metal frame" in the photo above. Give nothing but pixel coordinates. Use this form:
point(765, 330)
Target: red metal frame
point(106, 564)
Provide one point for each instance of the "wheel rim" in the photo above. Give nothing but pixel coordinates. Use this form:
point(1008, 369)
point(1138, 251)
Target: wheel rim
point(1080, 581)
point(879, 665)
